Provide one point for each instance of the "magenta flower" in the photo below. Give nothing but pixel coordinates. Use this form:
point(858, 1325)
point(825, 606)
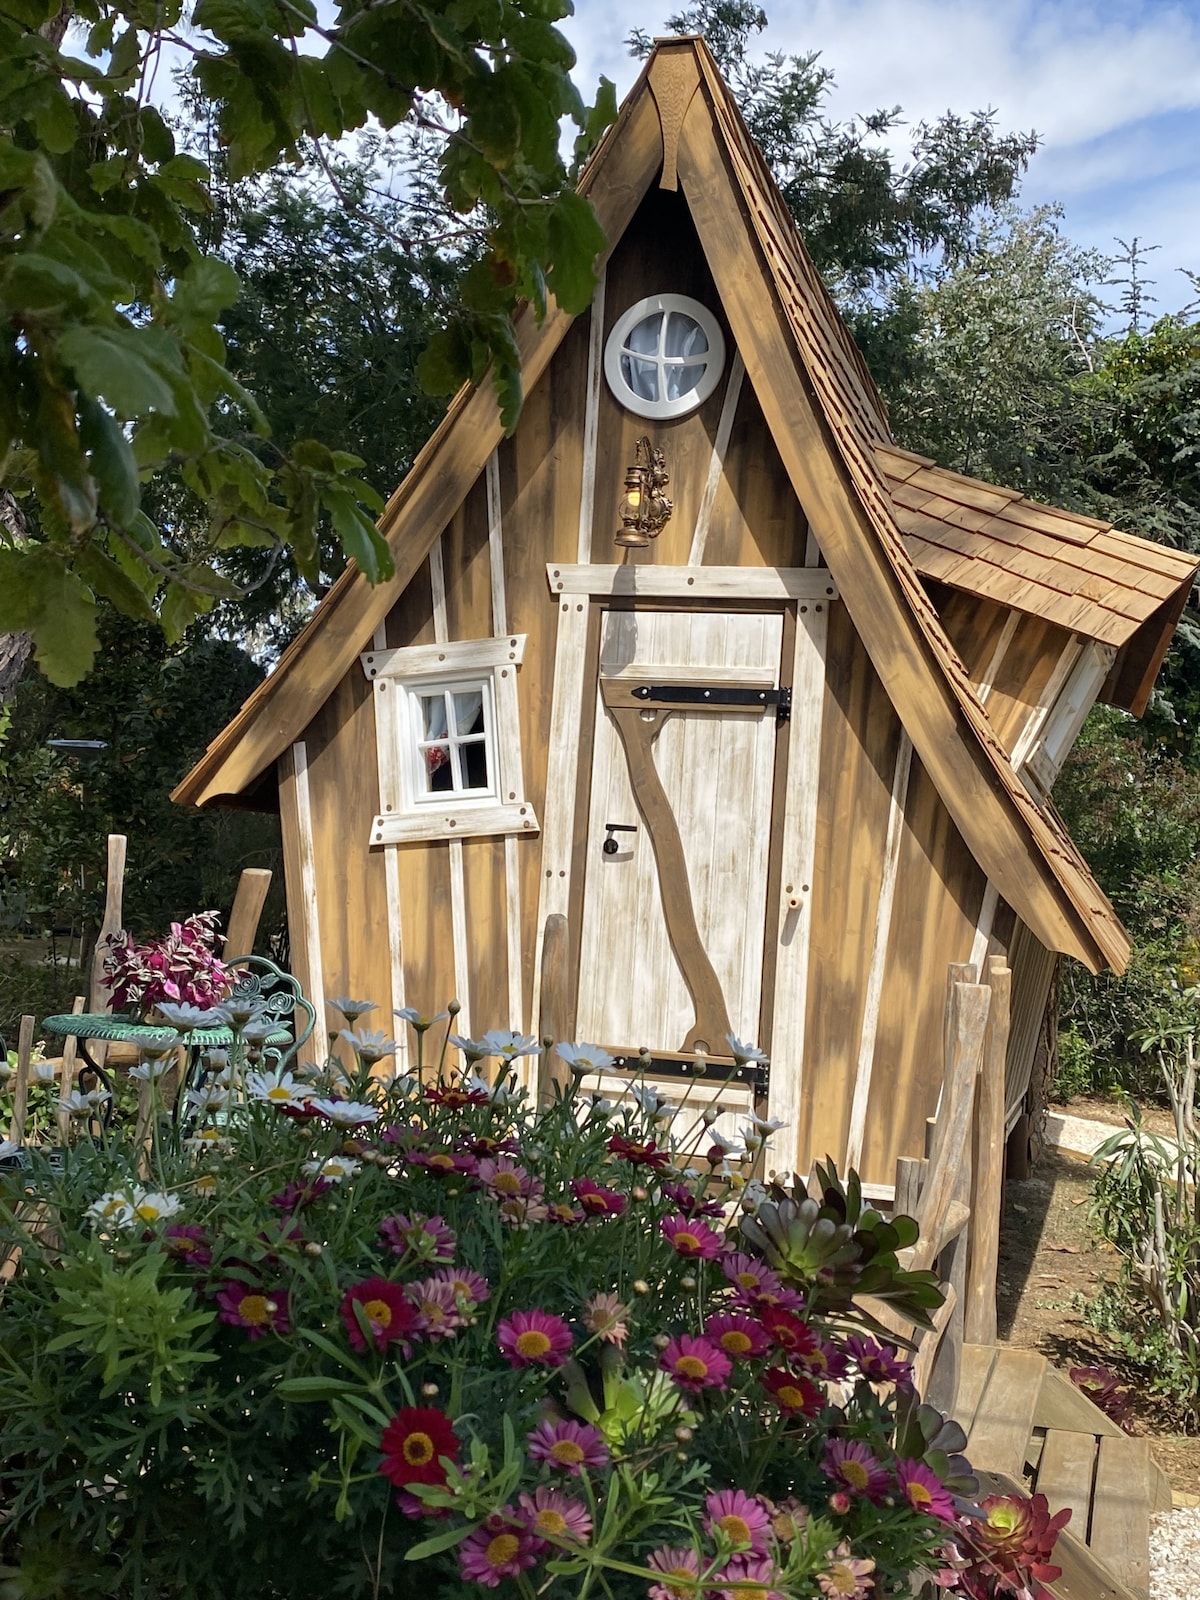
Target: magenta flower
point(295, 1196)
point(427, 1238)
point(924, 1490)
point(786, 1330)
point(501, 1548)
point(534, 1339)
point(696, 1363)
point(569, 1446)
point(444, 1163)
point(741, 1518)
point(259, 1311)
point(639, 1155)
point(851, 1466)
point(757, 1285)
point(674, 1563)
point(747, 1577)
point(740, 1336)
point(879, 1363)
point(466, 1283)
point(439, 1315)
point(692, 1205)
point(188, 1243)
point(566, 1216)
point(824, 1360)
point(596, 1200)
point(689, 1236)
point(551, 1515)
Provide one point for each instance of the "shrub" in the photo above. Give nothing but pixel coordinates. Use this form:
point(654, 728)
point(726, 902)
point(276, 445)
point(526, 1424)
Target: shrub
point(317, 1327)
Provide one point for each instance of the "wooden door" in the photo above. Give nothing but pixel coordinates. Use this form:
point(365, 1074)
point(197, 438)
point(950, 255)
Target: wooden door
point(673, 919)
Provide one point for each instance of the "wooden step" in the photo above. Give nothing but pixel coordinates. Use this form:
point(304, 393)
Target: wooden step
point(1120, 1527)
point(1062, 1405)
point(1001, 1426)
point(1084, 1576)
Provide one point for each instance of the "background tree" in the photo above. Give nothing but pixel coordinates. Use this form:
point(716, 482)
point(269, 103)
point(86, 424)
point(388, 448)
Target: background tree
point(112, 366)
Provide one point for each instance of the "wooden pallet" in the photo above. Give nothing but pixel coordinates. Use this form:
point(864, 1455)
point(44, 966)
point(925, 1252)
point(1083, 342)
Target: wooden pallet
point(1029, 1428)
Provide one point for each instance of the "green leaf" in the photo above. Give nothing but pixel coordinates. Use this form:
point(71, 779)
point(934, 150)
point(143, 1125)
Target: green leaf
point(575, 240)
point(445, 363)
point(38, 593)
point(57, 123)
point(114, 363)
point(36, 282)
point(106, 578)
point(111, 460)
point(205, 289)
point(446, 1540)
point(303, 1390)
point(360, 538)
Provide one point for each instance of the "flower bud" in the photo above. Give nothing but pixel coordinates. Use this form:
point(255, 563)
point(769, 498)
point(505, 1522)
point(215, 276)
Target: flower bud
point(687, 1283)
point(640, 1194)
point(640, 1286)
point(312, 1248)
point(684, 1435)
point(429, 1390)
point(839, 1502)
point(661, 1341)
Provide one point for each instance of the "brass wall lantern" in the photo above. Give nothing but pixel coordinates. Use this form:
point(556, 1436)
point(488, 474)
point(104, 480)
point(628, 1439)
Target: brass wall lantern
point(645, 509)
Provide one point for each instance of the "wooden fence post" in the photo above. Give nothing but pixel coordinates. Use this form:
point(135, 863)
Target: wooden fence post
point(16, 1130)
point(247, 909)
point(980, 1313)
point(114, 895)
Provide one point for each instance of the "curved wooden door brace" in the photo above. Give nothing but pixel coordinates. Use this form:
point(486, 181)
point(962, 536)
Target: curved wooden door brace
point(637, 734)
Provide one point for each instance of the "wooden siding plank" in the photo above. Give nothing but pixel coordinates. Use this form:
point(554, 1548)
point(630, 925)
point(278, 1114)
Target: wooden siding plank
point(304, 917)
point(793, 950)
point(692, 583)
point(1066, 1473)
point(591, 420)
point(716, 465)
point(1003, 1422)
point(883, 928)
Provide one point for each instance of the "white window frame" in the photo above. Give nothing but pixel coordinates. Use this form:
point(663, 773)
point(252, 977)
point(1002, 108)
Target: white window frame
point(713, 359)
point(408, 811)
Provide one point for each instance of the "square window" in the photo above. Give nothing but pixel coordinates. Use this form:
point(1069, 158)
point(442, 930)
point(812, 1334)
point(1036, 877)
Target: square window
point(453, 744)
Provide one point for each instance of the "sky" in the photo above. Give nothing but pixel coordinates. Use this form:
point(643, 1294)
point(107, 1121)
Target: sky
point(1112, 88)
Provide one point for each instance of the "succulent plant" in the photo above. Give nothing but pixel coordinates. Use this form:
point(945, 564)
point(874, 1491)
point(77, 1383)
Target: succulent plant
point(1012, 1541)
point(837, 1249)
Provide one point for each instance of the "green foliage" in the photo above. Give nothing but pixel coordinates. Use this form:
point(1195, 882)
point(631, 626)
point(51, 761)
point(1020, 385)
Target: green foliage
point(113, 373)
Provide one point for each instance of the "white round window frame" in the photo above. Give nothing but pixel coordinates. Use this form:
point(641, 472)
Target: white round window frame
point(714, 357)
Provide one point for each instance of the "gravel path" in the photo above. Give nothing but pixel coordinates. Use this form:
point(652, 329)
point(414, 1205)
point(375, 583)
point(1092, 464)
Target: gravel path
point(1175, 1554)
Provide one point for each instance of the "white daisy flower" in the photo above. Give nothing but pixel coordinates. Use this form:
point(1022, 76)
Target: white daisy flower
point(150, 1069)
point(745, 1052)
point(42, 1071)
point(149, 1205)
point(584, 1058)
point(185, 1017)
point(208, 1097)
point(114, 1208)
point(351, 1009)
point(506, 1044)
point(766, 1125)
point(80, 1103)
point(727, 1147)
point(498, 1093)
point(276, 1090)
point(369, 1045)
point(346, 1113)
point(335, 1168)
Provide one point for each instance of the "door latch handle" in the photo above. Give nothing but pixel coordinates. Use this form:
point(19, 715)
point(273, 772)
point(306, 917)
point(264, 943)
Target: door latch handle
point(611, 845)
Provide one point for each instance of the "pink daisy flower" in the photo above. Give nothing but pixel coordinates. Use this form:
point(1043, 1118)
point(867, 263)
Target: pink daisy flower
point(506, 1179)
point(569, 1446)
point(604, 1315)
point(696, 1363)
point(566, 1216)
point(851, 1466)
point(188, 1243)
point(741, 1518)
point(747, 1577)
point(294, 1196)
point(521, 1210)
point(501, 1548)
point(259, 1311)
point(740, 1336)
point(674, 1563)
point(533, 1339)
point(824, 1360)
point(924, 1490)
point(691, 1237)
point(426, 1238)
point(444, 1164)
point(439, 1315)
point(847, 1578)
point(596, 1200)
point(551, 1515)
point(466, 1283)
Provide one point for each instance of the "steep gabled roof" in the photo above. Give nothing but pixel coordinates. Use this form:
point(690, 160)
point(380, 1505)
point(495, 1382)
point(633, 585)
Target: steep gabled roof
point(831, 433)
point(1079, 572)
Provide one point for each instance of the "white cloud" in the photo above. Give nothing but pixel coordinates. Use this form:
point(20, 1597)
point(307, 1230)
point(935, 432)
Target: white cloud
point(1112, 87)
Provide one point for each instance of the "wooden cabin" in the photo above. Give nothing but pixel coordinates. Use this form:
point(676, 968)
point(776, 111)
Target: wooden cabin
point(765, 774)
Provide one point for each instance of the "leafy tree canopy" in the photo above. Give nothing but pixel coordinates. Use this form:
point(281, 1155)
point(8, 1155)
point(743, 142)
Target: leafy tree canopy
point(113, 370)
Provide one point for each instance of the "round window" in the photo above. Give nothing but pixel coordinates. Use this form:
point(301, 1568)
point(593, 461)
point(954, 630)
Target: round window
point(665, 356)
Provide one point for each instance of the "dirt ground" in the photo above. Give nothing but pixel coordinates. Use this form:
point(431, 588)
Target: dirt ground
point(1051, 1264)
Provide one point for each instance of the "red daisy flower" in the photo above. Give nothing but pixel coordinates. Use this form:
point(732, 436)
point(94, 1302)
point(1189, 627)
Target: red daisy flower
point(788, 1332)
point(415, 1443)
point(596, 1200)
point(797, 1396)
point(696, 1363)
point(387, 1310)
point(456, 1098)
point(533, 1339)
point(640, 1155)
point(688, 1236)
